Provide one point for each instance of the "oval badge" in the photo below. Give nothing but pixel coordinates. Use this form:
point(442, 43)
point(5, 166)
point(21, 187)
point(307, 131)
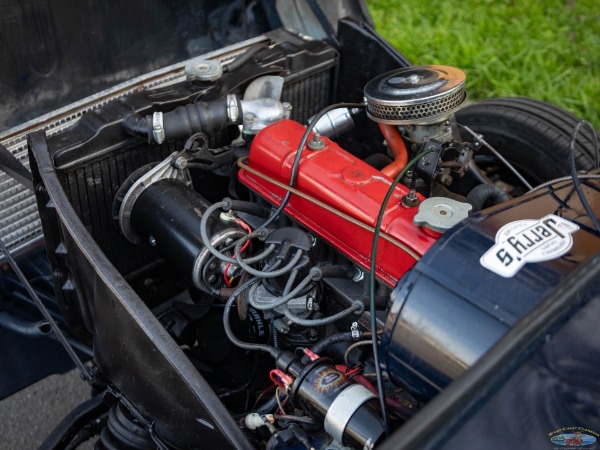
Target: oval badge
point(575, 439)
point(528, 241)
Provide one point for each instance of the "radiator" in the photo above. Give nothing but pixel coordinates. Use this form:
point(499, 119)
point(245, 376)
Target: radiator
point(20, 225)
point(93, 167)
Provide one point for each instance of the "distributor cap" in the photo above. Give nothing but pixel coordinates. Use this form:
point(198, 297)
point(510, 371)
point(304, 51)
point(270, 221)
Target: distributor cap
point(415, 95)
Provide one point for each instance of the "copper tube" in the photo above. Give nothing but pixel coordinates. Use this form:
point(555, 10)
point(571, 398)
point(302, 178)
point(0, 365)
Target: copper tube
point(398, 148)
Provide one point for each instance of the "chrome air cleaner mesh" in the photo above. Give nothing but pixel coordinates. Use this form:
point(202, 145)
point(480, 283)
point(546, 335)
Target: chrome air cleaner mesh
point(415, 95)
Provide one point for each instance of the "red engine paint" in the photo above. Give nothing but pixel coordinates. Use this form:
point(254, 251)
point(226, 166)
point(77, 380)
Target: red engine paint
point(335, 177)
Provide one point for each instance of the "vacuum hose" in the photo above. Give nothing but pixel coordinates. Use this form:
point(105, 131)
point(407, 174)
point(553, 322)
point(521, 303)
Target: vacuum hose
point(486, 194)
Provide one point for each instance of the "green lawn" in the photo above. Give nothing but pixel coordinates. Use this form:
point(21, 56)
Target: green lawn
point(549, 50)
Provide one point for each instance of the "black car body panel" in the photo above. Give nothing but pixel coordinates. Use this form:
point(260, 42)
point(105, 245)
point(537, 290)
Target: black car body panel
point(532, 358)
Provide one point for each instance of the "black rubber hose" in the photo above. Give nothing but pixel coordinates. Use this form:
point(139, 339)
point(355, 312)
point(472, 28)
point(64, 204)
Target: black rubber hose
point(199, 117)
point(486, 195)
point(135, 124)
point(183, 121)
point(336, 271)
point(330, 340)
point(250, 208)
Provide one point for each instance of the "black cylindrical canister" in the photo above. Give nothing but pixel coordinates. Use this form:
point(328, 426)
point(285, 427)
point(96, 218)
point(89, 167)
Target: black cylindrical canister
point(350, 411)
point(168, 214)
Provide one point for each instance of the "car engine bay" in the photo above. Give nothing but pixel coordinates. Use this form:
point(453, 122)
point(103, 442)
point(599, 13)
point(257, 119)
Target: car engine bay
point(292, 247)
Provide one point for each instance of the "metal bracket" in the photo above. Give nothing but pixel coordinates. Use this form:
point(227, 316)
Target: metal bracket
point(427, 166)
point(167, 169)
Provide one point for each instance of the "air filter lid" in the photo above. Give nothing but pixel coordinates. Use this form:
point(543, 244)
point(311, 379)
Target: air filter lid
point(415, 95)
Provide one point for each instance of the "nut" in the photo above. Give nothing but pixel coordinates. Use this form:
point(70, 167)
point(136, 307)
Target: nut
point(316, 143)
point(180, 163)
point(410, 200)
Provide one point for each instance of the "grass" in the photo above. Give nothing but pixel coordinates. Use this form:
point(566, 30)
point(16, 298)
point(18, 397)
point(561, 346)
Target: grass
point(548, 50)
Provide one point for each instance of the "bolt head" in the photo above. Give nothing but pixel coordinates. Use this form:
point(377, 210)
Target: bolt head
point(180, 163)
point(359, 275)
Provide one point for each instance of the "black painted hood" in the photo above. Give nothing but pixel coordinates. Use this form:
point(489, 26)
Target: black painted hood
point(57, 52)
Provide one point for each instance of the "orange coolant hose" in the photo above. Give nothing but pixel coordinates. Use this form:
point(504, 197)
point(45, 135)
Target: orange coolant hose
point(396, 144)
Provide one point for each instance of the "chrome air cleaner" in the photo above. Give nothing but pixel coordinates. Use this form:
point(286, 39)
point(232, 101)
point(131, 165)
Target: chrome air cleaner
point(415, 95)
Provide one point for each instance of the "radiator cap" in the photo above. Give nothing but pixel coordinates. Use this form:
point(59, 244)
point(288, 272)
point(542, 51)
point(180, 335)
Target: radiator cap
point(439, 214)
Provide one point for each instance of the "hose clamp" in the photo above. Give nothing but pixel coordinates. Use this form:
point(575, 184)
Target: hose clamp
point(355, 331)
point(158, 129)
point(233, 110)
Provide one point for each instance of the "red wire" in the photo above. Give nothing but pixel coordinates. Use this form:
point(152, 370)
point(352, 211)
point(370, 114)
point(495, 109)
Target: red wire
point(270, 388)
point(245, 226)
point(225, 274)
point(275, 378)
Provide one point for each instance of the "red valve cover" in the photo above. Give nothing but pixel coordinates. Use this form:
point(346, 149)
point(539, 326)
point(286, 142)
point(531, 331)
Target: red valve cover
point(335, 177)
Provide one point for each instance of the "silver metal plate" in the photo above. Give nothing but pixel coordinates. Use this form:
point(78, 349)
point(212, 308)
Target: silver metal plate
point(343, 408)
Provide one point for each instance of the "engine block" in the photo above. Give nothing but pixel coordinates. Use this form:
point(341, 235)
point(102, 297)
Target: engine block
point(341, 181)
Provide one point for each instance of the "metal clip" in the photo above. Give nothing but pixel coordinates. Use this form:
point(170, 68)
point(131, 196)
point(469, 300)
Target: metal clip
point(355, 331)
point(158, 130)
point(232, 109)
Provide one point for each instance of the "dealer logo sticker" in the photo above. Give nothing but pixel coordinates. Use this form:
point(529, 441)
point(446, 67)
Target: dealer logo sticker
point(574, 437)
point(527, 241)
